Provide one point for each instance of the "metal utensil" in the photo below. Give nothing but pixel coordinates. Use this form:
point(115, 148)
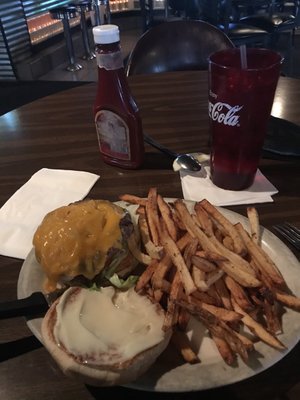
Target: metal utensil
point(185, 161)
point(35, 304)
point(290, 232)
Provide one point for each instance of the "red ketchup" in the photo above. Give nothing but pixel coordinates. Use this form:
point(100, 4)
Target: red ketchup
point(117, 118)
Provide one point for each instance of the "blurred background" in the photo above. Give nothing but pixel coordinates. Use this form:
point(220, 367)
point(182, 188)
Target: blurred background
point(44, 41)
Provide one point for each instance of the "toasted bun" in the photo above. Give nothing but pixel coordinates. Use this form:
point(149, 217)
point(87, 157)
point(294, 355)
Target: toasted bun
point(82, 239)
point(109, 367)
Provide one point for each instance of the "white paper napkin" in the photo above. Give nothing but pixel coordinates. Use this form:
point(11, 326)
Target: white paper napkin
point(46, 190)
point(198, 185)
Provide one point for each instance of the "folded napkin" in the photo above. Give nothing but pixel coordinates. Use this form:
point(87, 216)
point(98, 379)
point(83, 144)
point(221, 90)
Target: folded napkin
point(198, 185)
point(46, 190)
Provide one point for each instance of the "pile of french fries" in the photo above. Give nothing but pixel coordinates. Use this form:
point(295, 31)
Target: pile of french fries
point(200, 264)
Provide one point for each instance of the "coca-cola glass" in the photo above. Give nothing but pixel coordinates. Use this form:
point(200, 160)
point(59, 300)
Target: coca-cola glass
point(240, 103)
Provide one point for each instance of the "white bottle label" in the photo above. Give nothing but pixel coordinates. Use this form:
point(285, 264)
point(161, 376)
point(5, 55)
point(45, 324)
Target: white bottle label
point(110, 61)
point(113, 135)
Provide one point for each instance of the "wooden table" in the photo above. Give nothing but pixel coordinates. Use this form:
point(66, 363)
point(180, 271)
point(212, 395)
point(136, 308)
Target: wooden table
point(58, 132)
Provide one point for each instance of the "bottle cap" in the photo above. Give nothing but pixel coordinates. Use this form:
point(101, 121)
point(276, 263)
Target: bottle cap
point(105, 34)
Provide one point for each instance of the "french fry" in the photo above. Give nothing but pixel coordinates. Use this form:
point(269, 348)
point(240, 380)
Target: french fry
point(258, 329)
point(254, 224)
point(199, 278)
point(241, 276)
point(213, 277)
point(238, 244)
point(214, 246)
point(220, 329)
point(140, 210)
point(235, 342)
point(203, 218)
point(165, 286)
point(203, 264)
point(152, 215)
point(157, 294)
point(224, 293)
point(238, 294)
point(219, 235)
point(192, 227)
point(170, 315)
point(183, 345)
point(205, 297)
point(288, 299)
point(146, 276)
point(234, 258)
point(189, 252)
point(199, 263)
point(224, 349)
point(129, 198)
point(136, 252)
point(162, 285)
point(248, 343)
point(195, 307)
point(228, 243)
point(213, 293)
point(166, 263)
point(262, 260)
point(153, 251)
point(166, 214)
point(222, 313)
point(177, 259)
point(272, 318)
point(177, 219)
point(174, 294)
point(183, 319)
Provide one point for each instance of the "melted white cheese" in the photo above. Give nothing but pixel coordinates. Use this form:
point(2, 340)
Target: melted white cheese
point(107, 326)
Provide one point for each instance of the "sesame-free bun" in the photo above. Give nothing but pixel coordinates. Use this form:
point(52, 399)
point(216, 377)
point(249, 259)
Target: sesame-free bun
point(114, 364)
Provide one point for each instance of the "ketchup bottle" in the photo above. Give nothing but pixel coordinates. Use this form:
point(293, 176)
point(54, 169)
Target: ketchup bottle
point(117, 118)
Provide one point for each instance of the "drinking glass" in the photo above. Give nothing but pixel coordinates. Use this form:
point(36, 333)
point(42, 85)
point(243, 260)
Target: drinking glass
point(241, 93)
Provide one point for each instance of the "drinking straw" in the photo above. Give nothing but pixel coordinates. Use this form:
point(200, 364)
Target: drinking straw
point(243, 54)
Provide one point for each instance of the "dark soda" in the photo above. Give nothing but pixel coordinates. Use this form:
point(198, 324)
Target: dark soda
point(240, 103)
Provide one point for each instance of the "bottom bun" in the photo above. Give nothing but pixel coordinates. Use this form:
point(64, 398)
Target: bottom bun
point(104, 359)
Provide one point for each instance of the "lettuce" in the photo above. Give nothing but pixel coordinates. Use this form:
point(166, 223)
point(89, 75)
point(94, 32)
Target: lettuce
point(123, 284)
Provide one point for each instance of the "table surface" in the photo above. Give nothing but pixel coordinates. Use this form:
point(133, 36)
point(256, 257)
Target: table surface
point(58, 132)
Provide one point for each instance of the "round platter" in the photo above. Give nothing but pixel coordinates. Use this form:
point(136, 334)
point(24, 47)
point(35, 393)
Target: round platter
point(170, 373)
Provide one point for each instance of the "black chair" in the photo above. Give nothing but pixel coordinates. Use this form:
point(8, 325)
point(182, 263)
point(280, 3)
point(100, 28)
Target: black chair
point(176, 46)
point(225, 15)
point(274, 19)
point(189, 9)
point(150, 17)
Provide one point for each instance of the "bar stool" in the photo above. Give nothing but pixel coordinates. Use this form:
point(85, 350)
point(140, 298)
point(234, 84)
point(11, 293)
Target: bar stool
point(65, 14)
point(83, 7)
point(102, 11)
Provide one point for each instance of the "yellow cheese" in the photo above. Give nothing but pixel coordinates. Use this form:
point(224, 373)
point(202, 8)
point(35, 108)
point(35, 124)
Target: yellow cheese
point(74, 240)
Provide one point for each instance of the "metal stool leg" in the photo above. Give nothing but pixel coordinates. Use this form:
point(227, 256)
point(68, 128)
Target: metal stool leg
point(102, 11)
point(64, 14)
point(73, 65)
point(83, 7)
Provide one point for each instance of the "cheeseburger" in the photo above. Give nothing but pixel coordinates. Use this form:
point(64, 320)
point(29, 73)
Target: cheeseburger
point(84, 240)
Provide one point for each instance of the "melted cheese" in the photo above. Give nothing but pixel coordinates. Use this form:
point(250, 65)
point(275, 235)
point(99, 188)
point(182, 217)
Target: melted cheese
point(74, 240)
point(106, 326)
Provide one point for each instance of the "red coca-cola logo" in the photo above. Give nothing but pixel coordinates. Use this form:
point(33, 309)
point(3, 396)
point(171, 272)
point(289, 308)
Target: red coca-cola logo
point(224, 113)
